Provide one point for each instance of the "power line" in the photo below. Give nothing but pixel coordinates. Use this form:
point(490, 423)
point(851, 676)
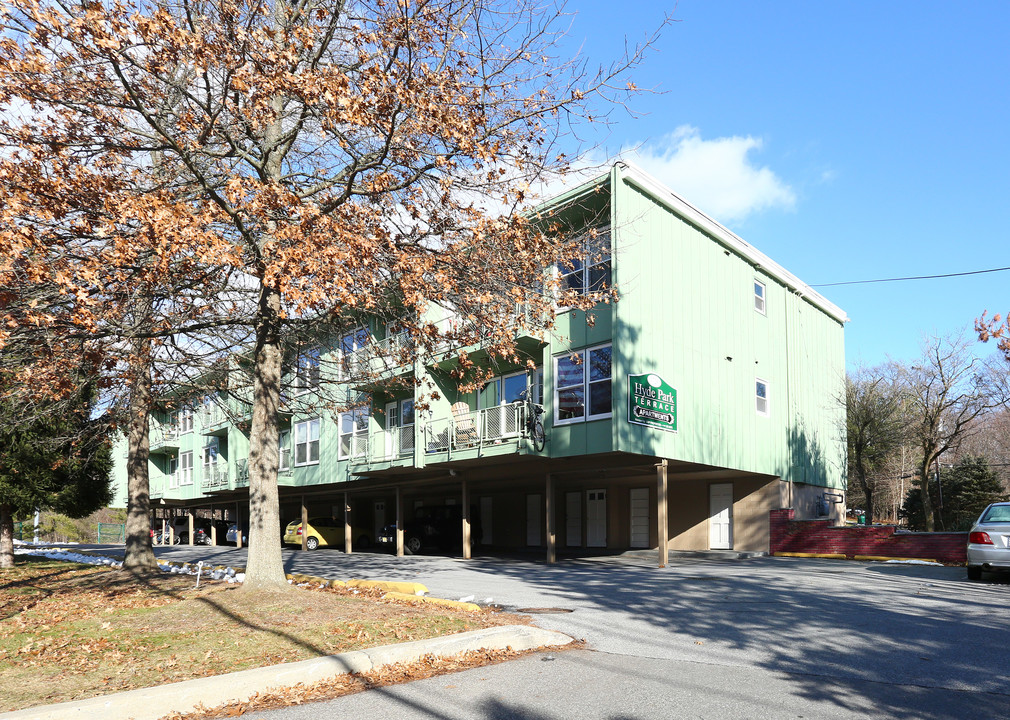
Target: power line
point(916, 277)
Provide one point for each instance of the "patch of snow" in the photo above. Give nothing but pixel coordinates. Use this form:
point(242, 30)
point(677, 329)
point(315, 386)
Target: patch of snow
point(224, 574)
point(466, 598)
point(913, 562)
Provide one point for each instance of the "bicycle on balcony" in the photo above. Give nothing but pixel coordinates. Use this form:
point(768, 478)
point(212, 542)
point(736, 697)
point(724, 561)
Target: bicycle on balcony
point(534, 426)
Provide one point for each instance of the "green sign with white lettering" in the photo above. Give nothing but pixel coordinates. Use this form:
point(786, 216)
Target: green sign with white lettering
point(652, 402)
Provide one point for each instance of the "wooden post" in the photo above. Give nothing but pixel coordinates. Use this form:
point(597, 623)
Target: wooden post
point(305, 525)
point(347, 524)
point(213, 529)
point(238, 525)
point(189, 516)
point(466, 517)
point(662, 521)
point(552, 555)
point(399, 523)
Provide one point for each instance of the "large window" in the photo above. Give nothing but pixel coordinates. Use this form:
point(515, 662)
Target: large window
point(590, 272)
point(307, 442)
point(186, 468)
point(582, 385)
point(353, 432)
point(284, 442)
point(307, 371)
point(186, 419)
point(353, 363)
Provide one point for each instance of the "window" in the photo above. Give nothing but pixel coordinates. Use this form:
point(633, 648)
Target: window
point(186, 467)
point(307, 371)
point(307, 442)
point(353, 432)
point(186, 419)
point(590, 272)
point(351, 362)
point(761, 396)
point(285, 450)
point(173, 472)
point(759, 296)
point(582, 382)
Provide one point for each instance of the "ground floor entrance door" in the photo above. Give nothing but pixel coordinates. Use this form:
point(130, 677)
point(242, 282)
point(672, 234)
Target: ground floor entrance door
point(639, 517)
point(596, 518)
point(720, 522)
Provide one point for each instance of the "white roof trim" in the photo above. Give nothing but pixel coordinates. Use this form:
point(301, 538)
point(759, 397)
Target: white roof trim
point(630, 173)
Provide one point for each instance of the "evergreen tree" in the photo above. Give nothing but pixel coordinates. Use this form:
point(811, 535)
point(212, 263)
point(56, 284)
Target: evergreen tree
point(967, 489)
point(54, 457)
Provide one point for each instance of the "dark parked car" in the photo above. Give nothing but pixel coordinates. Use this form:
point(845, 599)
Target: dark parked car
point(201, 531)
point(432, 527)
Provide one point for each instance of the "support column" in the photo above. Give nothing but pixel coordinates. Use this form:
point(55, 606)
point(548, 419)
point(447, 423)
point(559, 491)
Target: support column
point(213, 529)
point(399, 523)
point(238, 525)
point(189, 516)
point(305, 524)
point(552, 554)
point(662, 521)
point(347, 524)
point(466, 516)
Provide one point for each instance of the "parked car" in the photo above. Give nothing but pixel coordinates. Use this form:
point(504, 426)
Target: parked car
point(435, 526)
point(324, 531)
point(232, 535)
point(989, 541)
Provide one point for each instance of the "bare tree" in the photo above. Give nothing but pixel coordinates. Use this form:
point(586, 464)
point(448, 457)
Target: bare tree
point(948, 390)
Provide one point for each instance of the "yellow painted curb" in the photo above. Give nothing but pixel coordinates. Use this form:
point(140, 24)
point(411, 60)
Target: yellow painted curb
point(885, 558)
point(468, 606)
point(408, 588)
point(826, 556)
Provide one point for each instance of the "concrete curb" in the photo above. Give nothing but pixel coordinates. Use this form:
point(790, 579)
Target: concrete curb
point(156, 702)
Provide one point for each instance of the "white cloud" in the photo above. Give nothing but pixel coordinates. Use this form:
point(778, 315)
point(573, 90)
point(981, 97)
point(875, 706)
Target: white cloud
point(717, 176)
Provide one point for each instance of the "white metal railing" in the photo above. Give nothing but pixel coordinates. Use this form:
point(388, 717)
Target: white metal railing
point(381, 446)
point(377, 356)
point(476, 429)
point(354, 446)
point(215, 475)
point(164, 435)
point(212, 414)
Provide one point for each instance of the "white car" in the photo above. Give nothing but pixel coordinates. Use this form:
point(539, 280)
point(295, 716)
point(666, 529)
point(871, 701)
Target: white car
point(989, 541)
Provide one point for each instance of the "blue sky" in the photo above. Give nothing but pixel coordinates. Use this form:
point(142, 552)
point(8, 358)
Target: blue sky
point(847, 141)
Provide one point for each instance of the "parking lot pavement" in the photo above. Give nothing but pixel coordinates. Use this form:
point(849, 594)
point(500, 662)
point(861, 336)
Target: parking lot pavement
point(832, 626)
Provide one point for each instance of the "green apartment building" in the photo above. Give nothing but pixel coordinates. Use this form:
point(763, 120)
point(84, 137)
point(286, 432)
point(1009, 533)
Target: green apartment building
point(706, 397)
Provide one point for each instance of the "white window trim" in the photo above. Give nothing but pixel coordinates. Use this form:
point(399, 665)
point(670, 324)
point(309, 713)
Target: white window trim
point(767, 398)
point(305, 380)
point(185, 472)
point(185, 420)
point(760, 300)
point(584, 257)
point(341, 455)
point(585, 386)
point(308, 442)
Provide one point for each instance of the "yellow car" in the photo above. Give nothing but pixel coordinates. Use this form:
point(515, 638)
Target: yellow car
point(324, 531)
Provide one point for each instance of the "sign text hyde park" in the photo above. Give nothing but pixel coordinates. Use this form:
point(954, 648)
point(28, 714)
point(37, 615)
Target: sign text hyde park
point(652, 402)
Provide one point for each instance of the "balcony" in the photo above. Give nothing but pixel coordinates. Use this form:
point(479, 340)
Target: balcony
point(215, 477)
point(284, 472)
point(165, 439)
point(379, 356)
point(379, 447)
point(500, 428)
point(214, 420)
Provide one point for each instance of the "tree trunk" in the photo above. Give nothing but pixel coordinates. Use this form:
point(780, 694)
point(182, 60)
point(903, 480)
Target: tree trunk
point(927, 504)
point(139, 558)
point(264, 566)
point(6, 537)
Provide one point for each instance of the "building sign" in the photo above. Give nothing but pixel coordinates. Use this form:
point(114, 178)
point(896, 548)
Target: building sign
point(652, 402)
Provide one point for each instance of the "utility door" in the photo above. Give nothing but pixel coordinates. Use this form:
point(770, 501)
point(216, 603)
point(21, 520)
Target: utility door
point(596, 518)
point(533, 520)
point(640, 517)
point(720, 521)
point(573, 519)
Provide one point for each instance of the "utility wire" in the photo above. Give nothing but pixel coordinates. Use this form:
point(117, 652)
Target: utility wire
point(916, 277)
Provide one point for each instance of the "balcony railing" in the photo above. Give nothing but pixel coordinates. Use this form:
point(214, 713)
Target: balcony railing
point(382, 446)
point(378, 356)
point(242, 468)
point(475, 429)
point(215, 477)
point(164, 436)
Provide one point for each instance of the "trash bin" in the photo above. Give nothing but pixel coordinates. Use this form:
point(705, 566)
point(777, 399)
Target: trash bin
point(861, 519)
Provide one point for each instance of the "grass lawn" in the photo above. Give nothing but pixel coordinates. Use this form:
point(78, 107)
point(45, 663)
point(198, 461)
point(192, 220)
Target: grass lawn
point(71, 631)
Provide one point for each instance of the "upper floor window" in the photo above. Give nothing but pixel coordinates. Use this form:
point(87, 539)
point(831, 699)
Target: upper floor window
point(353, 432)
point(582, 385)
point(351, 361)
point(186, 419)
point(307, 442)
point(186, 468)
point(759, 296)
point(307, 371)
point(761, 396)
point(590, 271)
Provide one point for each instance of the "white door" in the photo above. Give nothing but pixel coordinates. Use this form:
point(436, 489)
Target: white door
point(573, 519)
point(533, 520)
point(392, 423)
point(486, 514)
point(720, 521)
point(640, 518)
point(596, 518)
